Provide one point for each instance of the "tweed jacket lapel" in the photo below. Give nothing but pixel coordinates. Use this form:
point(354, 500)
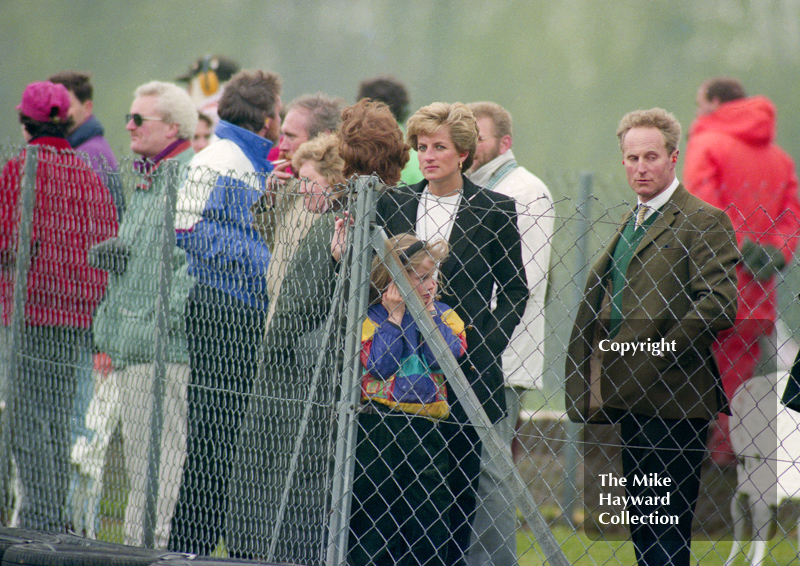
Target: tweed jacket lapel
point(665, 220)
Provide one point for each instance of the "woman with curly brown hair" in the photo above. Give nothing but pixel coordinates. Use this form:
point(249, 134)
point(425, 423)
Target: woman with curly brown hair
point(371, 142)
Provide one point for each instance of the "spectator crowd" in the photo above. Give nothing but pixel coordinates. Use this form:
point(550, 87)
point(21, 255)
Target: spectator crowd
point(205, 278)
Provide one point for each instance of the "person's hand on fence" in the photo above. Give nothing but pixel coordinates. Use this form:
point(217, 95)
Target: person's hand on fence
point(762, 260)
point(103, 364)
point(110, 255)
point(339, 239)
point(276, 179)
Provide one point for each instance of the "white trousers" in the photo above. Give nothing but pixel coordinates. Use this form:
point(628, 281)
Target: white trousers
point(136, 404)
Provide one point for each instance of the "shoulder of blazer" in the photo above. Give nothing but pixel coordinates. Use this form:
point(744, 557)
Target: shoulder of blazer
point(397, 196)
point(402, 190)
point(690, 206)
point(687, 202)
point(480, 197)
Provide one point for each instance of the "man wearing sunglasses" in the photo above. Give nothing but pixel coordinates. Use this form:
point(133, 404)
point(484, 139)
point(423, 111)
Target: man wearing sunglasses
point(227, 306)
point(161, 123)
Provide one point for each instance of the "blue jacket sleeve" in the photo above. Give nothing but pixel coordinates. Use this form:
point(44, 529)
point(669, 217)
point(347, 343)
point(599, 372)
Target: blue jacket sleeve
point(386, 353)
point(224, 241)
point(454, 341)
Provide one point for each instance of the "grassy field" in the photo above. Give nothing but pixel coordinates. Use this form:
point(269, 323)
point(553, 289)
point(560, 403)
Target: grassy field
point(580, 550)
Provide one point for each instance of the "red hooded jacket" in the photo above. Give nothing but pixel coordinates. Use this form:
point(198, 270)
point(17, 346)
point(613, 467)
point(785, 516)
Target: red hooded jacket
point(733, 163)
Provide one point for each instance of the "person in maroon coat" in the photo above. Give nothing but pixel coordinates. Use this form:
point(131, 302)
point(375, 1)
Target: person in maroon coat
point(73, 211)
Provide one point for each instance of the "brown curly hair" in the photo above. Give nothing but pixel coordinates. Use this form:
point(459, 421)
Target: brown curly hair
point(372, 142)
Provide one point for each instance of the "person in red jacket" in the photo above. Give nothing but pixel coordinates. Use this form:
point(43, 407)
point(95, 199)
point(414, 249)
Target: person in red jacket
point(73, 210)
point(733, 163)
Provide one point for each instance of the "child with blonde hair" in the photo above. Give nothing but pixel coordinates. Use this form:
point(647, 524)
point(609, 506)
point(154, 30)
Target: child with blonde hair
point(400, 498)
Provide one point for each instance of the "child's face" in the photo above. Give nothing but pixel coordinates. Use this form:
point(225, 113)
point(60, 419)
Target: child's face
point(423, 278)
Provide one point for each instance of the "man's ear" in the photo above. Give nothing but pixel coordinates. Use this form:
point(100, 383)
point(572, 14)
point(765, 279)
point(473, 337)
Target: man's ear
point(172, 132)
point(263, 131)
point(505, 143)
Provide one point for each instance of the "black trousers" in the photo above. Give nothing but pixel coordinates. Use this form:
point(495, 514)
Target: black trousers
point(464, 451)
point(654, 449)
point(224, 336)
point(400, 498)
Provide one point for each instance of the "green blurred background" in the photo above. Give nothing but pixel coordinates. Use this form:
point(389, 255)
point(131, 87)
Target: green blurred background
point(567, 70)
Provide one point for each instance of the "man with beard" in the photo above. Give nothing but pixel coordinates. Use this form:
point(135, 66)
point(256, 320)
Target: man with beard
point(495, 168)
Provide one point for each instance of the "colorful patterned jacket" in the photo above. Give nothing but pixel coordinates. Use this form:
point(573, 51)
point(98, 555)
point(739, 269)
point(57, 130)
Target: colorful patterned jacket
point(400, 370)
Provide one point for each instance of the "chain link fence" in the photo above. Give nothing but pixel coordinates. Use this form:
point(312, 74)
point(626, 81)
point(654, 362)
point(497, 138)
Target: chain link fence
point(186, 416)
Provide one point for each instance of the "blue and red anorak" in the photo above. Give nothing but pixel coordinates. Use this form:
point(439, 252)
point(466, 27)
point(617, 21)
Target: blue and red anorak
point(400, 370)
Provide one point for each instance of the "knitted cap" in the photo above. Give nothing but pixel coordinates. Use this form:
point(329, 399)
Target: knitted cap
point(45, 102)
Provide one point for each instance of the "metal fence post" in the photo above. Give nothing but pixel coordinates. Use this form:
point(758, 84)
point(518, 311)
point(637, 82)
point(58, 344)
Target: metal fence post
point(170, 171)
point(361, 262)
point(27, 198)
point(572, 456)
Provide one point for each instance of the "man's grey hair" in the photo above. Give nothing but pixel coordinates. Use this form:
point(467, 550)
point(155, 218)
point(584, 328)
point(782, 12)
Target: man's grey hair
point(324, 112)
point(658, 118)
point(174, 104)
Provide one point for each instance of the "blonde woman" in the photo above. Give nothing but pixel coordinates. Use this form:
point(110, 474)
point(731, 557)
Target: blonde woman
point(480, 227)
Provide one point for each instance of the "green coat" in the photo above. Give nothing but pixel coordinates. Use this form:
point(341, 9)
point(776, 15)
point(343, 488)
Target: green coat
point(681, 287)
point(272, 420)
point(124, 324)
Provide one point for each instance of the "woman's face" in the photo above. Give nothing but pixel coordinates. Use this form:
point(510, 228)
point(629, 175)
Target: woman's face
point(438, 157)
point(315, 187)
point(202, 136)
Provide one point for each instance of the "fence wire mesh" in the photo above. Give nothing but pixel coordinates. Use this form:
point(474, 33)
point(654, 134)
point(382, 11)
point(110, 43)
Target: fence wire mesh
point(208, 379)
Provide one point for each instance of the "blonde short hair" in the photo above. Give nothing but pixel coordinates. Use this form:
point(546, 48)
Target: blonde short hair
point(458, 119)
point(324, 153)
point(658, 118)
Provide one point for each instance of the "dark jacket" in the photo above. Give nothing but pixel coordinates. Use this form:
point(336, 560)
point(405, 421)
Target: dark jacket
point(485, 251)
